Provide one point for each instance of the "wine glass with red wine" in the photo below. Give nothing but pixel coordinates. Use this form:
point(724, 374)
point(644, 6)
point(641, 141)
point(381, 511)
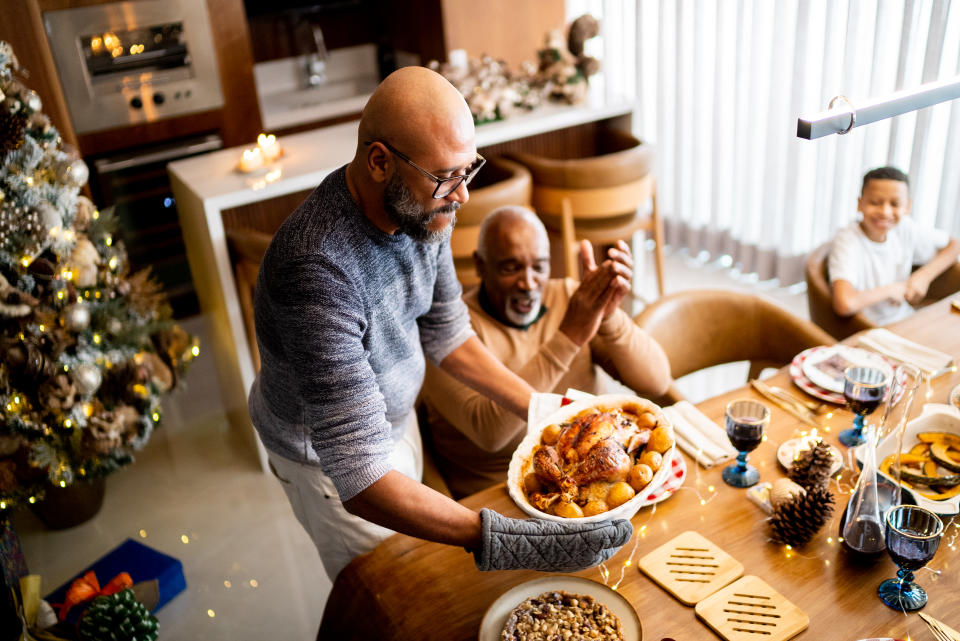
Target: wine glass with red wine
point(913, 536)
point(746, 421)
point(864, 389)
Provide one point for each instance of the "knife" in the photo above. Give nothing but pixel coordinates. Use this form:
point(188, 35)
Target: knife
point(790, 408)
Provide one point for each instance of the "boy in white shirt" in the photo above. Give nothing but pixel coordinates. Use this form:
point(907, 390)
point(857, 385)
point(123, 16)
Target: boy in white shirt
point(871, 261)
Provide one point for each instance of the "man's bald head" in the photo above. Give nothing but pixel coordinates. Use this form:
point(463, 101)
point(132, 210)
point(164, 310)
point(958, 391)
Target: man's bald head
point(415, 129)
point(513, 262)
point(415, 108)
point(509, 221)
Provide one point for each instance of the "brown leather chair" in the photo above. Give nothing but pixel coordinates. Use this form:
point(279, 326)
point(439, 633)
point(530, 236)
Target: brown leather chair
point(820, 295)
point(702, 328)
point(600, 198)
point(500, 182)
point(247, 247)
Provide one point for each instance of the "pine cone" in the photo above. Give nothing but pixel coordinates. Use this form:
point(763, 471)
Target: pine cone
point(11, 130)
point(813, 467)
point(796, 522)
point(118, 617)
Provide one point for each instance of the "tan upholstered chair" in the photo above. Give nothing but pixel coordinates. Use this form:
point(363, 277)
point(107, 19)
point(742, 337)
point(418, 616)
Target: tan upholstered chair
point(820, 297)
point(500, 182)
point(702, 328)
point(602, 198)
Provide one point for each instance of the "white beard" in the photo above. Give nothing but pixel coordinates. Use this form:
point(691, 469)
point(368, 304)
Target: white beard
point(523, 320)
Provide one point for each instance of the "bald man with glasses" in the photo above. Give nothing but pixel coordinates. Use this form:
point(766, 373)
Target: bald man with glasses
point(355, 291)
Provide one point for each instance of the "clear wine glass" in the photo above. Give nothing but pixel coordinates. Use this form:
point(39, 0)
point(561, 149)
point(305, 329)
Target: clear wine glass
point(864, 389)
point(913, 536)
point(746, 421)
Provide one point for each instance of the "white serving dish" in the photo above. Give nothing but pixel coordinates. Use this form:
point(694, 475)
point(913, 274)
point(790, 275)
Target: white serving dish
point(496, 615)
point(935, 417)
point(521, 463)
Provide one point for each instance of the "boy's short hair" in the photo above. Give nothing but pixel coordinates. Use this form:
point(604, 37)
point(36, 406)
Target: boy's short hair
point(884, 173)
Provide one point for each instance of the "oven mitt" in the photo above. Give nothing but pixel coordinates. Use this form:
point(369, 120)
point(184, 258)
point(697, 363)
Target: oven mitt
point(534, 544)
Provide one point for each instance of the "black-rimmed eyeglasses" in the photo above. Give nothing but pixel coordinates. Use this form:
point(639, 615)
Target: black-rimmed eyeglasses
point(445, 186)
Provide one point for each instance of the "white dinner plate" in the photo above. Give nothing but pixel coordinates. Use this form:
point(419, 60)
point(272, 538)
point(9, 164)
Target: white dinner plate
point(825, 368)
point(788, 450)
point(496, 615)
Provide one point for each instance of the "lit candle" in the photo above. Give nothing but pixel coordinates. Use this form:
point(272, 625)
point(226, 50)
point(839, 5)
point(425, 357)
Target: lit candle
point(251, 160)
point(269, 147)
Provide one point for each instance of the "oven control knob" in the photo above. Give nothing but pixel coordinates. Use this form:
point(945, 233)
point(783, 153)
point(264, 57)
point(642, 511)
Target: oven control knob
point(158, 98)
point(136, 103)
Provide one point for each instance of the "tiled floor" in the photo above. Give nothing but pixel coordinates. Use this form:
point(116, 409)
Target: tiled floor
point(196, 493)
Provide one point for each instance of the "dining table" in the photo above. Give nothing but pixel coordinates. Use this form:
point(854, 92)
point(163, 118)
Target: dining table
point(412, 589)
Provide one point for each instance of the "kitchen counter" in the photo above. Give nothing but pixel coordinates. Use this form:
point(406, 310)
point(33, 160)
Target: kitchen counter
point(204, 186)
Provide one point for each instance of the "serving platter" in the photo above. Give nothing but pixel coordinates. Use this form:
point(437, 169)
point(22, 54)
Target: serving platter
point(935, 417)
point(496, 615)
point(520, 462)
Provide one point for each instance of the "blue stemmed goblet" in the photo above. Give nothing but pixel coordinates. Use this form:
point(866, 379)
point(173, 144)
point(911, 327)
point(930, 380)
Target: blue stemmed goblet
point(864, 389)
point(912, 537)
point(745, 420)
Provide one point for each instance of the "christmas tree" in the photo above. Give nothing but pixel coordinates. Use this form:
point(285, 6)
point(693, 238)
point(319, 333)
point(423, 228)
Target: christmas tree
point(87, 348)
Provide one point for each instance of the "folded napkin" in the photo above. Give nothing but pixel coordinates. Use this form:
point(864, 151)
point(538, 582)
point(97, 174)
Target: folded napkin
point(929, 360)
point(698, 436)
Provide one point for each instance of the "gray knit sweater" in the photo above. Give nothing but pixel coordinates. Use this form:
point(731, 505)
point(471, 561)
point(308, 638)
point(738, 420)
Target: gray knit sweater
point(342, 310)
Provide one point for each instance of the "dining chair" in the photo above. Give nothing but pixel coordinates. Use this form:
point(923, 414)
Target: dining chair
point(500, 182)
point(702, 328)
point(603, 198)
point(247, 247)
point(820, 296)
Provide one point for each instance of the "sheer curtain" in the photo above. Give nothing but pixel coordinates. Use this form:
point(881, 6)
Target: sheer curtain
point(719, 85)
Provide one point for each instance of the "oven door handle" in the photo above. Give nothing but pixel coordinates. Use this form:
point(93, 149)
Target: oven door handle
point(128, 161)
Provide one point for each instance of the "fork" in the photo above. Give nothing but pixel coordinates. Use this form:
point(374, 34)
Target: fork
point(813, 406)
point(941, 630)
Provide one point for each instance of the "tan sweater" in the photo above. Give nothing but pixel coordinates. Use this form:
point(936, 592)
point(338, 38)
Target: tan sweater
point(474, 437)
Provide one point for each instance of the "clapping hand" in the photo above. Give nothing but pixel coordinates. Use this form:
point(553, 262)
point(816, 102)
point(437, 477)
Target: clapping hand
point(601, 290)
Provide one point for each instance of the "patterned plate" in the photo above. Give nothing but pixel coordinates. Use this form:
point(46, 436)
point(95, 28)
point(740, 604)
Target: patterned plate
point(678, 474)
point(800, 379)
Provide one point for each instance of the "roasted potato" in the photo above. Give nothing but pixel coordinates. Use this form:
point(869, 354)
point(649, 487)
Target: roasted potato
point(550, 434)
point(640, 474)
point(531, 483)
point(567, 510)
point(647, 419)
point(652, 459)
point(596, 506)
point(619, 494)
point(661, 439)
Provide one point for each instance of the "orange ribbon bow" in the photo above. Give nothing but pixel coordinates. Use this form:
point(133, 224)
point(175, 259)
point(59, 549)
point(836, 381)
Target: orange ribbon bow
point(87, 588)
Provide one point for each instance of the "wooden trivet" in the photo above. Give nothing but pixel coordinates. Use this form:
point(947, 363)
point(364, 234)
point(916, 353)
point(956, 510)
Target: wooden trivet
point(751, 609)
point(690, 567)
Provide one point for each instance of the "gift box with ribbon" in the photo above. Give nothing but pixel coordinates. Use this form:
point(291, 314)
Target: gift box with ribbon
point(130, 564)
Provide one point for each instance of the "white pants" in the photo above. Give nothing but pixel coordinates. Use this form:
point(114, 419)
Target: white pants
point(339, 535)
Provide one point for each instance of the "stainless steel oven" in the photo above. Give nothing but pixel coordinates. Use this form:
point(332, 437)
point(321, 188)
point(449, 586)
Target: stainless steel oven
point(124, 63)
point(136, 185)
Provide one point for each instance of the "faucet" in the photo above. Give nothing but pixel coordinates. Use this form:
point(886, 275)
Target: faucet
point(317, 61)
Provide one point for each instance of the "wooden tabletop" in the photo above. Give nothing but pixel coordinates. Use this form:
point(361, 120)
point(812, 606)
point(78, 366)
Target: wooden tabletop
point(411, 589)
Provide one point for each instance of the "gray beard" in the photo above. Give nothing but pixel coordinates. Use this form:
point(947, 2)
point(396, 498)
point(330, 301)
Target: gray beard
point(405, 212)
